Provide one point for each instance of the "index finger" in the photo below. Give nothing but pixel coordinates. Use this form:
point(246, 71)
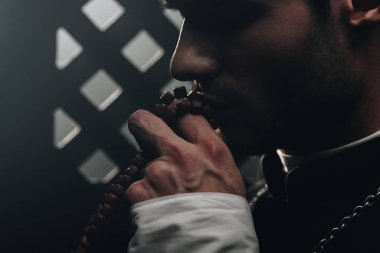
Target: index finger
point(196, 128)
point(152, 133)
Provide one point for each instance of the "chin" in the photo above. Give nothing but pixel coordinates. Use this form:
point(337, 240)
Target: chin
point(247, 145)
point(246, 132)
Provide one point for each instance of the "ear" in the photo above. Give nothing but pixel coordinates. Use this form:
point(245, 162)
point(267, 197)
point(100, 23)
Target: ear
point(364, 12)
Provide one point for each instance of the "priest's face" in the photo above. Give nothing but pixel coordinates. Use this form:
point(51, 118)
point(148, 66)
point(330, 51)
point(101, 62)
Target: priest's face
point(274, 65)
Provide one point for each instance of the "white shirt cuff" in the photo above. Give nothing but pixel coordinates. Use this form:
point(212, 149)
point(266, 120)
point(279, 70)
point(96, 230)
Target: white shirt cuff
point(194, 222)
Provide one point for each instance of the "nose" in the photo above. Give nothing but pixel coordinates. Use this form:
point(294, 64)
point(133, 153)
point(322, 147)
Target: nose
point(195, 57)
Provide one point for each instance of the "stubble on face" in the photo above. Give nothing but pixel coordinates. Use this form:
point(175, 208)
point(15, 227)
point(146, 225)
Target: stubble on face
point(287, 72)
point(295, 82)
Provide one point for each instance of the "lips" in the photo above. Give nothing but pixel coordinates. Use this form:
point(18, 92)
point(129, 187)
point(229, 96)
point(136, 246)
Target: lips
point(214, 95)
point(213, 101)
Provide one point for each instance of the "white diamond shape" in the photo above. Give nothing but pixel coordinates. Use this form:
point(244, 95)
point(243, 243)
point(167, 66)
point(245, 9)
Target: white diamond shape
point(101, 90)
point(103, 13)
point(98, 168)
point(127, 134)
point(67, 48)
point(142, 51)
point(65, 128)
point(173, 83)
point(174, 17)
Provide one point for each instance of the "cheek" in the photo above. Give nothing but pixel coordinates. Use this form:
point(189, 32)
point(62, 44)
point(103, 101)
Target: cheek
point(281, 30)
point(266, 58)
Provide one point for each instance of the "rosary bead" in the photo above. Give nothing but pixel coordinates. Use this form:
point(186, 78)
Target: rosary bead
point(194, 95)
point(183, 106)
point(98, 220)
point(84, 242)
point(124, 180)
point(139, 161)
point(132, 170)
point(196, 106)
point(118, 179)
point(92, 233)
point(105, 209)
point(180, 92)
point(116, 189)
point(170, 116)
point(111, 199)
point(167, 98)
point(160, 110)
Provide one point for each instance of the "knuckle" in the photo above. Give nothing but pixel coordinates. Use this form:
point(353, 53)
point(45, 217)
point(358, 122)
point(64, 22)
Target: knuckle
point(135, 191)
point(215, 148)
point(177, 152)
point(157, 171)
point(136, 118)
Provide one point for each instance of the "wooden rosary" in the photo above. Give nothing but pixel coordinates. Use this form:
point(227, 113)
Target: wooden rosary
point(113, 206)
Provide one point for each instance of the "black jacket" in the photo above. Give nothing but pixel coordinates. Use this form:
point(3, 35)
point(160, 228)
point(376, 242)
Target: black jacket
point(305, 204)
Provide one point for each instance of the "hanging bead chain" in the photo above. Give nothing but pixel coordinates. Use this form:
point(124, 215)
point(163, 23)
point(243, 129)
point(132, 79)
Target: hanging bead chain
point(184, 103)
point(345, 222)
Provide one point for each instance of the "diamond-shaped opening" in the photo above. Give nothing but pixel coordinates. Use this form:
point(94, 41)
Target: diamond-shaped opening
point(103, 13)
point(98, 168)
point(65, 128)
point(67, 48)
point(128, 136)
point(174, 17)
point(142, 51)
point(101, 90)
point(173, 83)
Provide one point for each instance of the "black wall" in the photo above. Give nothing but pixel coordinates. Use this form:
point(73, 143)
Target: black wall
point(44, 200)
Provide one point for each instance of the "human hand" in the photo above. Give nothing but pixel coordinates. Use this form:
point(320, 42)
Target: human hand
point(196, 161)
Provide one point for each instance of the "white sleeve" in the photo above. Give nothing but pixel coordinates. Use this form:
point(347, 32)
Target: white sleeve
point(194, 222)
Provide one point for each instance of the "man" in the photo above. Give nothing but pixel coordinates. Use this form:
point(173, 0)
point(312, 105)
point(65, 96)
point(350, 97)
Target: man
point(297, 76)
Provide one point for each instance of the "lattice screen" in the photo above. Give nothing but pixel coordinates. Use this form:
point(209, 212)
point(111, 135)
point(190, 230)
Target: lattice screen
point(71, 73)
point(142, 51)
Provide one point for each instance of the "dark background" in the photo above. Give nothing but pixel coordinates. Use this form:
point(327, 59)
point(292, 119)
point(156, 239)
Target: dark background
point(45, 201)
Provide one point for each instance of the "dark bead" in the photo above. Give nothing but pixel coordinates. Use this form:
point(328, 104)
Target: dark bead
point(92, 233)
point(160, 110)
point(127, 181)
point(180, 92)
point(167, 98)
point(98, 220)
point(124, 180)
point(183, 106)
point(116, 189)
point(111, 199)
point(106, 210)
point(103, 209)
point(118, 179)
point(194, 95)
point(196, 106)
point(84, 242)
point(132, 171)
point(139, 161)
point(170, 116)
